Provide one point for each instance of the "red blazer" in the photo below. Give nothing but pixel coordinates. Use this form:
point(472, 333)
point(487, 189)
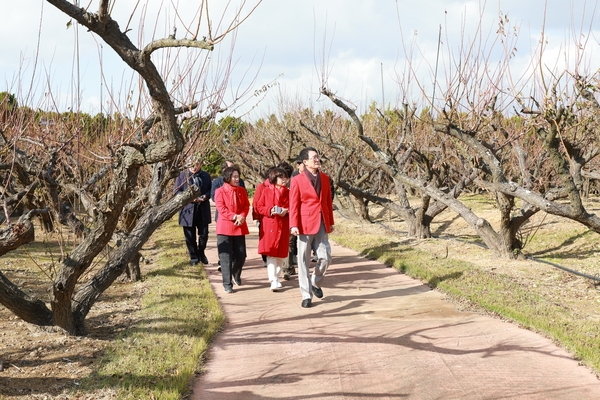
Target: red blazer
point(257, 193)
point(231, 201)
point(306, 208)
point(275, 229)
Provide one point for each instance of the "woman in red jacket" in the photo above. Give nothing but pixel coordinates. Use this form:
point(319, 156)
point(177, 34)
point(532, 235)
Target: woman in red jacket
point(255, 215)
point(274, 238)
point(233, 206)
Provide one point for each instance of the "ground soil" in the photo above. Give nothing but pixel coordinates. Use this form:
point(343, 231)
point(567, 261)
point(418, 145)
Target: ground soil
point(45, 363)
point(41, 363)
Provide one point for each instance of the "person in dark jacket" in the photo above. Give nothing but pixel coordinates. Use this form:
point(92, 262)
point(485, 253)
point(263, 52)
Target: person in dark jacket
point(195, 216)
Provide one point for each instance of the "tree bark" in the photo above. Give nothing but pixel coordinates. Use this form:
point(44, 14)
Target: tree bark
point(480, 225)
point(88, 294)
point(19, 303)
point(133, 270)
point(16, 235)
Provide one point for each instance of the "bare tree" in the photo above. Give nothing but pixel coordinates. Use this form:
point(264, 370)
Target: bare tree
point(485, 147)
point(106, 193)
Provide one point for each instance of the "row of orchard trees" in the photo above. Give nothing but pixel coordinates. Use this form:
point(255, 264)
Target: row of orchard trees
point(532, 148)
point(105, 175)
point(480, 134)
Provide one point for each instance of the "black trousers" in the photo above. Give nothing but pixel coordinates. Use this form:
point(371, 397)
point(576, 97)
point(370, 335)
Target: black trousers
point(293, 252)
point(196, 238)
point(232, 254)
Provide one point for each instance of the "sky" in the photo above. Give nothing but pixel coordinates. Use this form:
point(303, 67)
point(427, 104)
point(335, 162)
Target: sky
point(365, 51)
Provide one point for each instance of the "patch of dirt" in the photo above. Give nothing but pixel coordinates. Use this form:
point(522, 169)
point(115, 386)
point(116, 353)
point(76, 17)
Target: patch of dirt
point(44, 362)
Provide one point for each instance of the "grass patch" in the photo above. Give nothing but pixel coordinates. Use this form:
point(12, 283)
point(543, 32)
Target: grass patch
point(525, 304)
point(160, 355)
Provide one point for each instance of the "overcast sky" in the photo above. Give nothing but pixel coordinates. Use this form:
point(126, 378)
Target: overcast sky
point(359, 46)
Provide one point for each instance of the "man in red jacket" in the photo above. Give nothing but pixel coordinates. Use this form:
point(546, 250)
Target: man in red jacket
point(311, 220)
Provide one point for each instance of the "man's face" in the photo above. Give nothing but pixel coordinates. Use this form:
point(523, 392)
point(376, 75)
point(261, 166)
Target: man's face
point(196, 167)
point(313, 162)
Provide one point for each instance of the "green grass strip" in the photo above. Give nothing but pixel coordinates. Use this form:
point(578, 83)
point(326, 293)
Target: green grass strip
point(160, 355)
point(499, 294)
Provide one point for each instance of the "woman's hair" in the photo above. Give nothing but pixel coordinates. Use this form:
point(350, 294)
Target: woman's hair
point(277, 173)
point(227, 172)
point(286, 167)
point(267, 173)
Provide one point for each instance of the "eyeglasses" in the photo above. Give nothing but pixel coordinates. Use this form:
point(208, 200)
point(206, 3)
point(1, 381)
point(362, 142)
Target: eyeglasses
point(314, 158)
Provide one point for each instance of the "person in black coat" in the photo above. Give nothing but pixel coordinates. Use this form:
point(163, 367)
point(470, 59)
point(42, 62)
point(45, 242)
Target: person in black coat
point(195, 216)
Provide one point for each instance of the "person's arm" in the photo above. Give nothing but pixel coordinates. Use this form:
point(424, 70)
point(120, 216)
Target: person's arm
point(330, 205)
point(245, 204)
point(256, 215)
point(264, 203)
point(207, 183)
point(213, 189)
point(178, 187)
point(285, 202)
point(294, 207)
point(244, 209)
point(222, 206)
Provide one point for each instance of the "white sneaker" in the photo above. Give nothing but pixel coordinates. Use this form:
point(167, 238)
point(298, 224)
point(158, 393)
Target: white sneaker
point(275, 285)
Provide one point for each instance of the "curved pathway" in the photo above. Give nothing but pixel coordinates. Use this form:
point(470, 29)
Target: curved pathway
point(376, 334)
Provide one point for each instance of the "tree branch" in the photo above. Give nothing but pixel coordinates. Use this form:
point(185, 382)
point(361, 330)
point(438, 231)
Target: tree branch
point(164, 43)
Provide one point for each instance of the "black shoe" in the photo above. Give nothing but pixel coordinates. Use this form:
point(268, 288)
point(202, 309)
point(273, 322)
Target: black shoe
point(219, 269)
point(306, 303)
point(317, 292)
point(236, 281)
point(204, 260)
point(228, 290)
point(286, 276)
point(192, 263)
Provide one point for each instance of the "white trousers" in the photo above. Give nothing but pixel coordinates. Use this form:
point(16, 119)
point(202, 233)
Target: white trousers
point(274, 265)
point(320, 242)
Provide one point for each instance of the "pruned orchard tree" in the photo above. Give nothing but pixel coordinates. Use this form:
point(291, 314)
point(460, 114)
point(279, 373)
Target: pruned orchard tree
point(407, 163)
point(536, 153)
point(123, 186)
point(491, 141)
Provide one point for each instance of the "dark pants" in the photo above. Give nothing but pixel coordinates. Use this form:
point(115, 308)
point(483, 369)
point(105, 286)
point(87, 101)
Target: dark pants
point(232, 254)
point(292, 254)
point(196, 238)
